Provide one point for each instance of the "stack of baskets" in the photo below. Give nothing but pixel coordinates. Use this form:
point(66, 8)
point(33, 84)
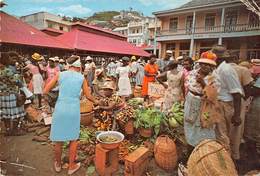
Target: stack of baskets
point(210, 158)
point(165, 153)
point(86, 112)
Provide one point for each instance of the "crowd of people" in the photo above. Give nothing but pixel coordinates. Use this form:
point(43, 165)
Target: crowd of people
point(217, 83)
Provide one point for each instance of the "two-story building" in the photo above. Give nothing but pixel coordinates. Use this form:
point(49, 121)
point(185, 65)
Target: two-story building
point(47, 22)
point(141, 33)
point(199, 24)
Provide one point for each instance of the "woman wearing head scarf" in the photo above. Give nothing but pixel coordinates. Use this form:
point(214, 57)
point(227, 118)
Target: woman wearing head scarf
point(66, 117)
point(98, 82)
point(124, 84)
point(37, 71)
point(174, 87)
point(150, 72)
point(198, 81)
point(51, 70)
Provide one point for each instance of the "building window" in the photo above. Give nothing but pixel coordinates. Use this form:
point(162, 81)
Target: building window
point(173, 26)
point(253, 20)
point(61, 28)
point(210, 22)
point(134, 41)
point(137, 31)
point(50, 25)
point(189, 21)
point(170, 46)
point(230, 21)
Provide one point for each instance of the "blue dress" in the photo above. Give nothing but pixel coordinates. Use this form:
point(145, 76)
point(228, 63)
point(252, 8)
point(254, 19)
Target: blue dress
point(66, 117)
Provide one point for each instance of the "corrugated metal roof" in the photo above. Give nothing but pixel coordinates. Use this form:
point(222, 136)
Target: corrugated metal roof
point(88, 41)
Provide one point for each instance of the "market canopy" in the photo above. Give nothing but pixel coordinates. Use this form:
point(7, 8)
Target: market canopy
point(14, 31)
point(96, 42)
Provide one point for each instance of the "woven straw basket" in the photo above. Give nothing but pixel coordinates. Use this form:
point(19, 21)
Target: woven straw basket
point(86, 106)
point(165, 153)
point(210, 158)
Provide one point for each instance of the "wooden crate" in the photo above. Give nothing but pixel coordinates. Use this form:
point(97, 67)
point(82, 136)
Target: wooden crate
point(136, 162)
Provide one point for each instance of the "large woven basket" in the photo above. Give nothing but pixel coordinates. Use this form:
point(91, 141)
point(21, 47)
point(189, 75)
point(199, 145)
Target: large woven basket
point(138, 91)
point(165, 153)
point(86, 106)
point(210, 158)
point(86, 119)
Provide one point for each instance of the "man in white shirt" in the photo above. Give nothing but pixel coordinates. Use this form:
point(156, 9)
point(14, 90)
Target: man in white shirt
point(230, 94)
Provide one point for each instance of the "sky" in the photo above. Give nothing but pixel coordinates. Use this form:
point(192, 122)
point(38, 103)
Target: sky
point(85, 8)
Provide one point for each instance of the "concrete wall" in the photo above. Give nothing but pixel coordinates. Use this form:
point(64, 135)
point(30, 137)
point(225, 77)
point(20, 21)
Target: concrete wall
point(36, 20)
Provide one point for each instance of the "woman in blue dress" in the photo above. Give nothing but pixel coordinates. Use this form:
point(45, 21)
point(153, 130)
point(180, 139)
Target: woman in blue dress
point(66, 117)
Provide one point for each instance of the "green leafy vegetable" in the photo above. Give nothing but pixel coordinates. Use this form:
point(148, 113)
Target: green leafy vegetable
point(149, 118)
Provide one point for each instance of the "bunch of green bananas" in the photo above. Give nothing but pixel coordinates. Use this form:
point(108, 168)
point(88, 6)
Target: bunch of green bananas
point(176, 114)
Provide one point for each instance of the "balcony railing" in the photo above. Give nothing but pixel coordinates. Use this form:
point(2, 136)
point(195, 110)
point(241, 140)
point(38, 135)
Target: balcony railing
point(212, 29)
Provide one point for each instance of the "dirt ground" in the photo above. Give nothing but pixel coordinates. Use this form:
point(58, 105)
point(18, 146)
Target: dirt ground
point(39, 157)
point(22, 150)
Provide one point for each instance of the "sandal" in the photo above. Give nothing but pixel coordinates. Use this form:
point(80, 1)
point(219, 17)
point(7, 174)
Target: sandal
point(72, 171)
point(57, 168)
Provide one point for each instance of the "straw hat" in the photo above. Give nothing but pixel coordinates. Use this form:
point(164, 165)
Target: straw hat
point(108, 85)
point(62, 61)
point(37, 57)
point(256, 62)
point(133, 58)
point(168, 52)
point(89, 58)
point(208, 57)
point(179, 58)
point(98, 72)
point(51, 59)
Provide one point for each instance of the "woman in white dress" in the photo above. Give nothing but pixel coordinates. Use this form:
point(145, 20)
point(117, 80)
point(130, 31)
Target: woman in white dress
point(124, 81)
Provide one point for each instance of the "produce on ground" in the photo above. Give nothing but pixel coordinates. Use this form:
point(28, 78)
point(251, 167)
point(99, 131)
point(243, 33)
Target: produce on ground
point(149, 118)
point(176, 115)
point(87, 135)
point(125, 114)
point(136, 102)
point(103, 125)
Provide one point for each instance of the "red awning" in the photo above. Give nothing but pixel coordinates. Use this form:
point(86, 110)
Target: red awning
point(88, 41)
point(15, 31)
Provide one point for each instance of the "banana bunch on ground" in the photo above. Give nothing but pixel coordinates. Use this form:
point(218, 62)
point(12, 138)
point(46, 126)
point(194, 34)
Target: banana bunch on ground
point(176, 115)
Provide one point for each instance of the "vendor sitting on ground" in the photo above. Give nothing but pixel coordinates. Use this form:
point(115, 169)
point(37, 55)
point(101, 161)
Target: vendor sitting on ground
point(108, 105)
